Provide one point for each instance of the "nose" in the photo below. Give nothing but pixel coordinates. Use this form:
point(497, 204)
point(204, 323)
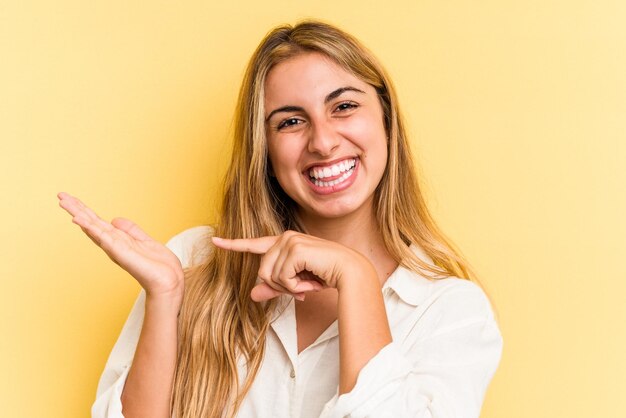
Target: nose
point(323, 139)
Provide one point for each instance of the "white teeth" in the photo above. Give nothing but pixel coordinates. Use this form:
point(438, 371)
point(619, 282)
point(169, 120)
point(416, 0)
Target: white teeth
point(345, 175)
point(320, 173)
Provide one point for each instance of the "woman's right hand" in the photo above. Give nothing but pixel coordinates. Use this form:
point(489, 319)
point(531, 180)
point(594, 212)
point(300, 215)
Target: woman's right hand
point(152, 264)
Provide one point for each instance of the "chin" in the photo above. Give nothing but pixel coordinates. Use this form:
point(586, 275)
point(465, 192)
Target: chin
point(335, 211)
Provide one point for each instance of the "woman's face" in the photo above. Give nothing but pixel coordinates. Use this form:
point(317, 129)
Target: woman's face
point(326, 136)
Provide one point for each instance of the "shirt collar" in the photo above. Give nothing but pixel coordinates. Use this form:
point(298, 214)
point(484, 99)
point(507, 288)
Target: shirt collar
point(410, 286)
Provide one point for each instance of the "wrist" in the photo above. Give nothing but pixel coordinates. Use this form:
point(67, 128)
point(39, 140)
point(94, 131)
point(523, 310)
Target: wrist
point(359, 273)
point(170, 301)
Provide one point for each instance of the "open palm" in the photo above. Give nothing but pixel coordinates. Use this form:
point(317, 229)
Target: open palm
point(151, 263)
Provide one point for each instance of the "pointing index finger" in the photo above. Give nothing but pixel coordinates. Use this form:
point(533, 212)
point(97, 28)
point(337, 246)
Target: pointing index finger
point(249, 245)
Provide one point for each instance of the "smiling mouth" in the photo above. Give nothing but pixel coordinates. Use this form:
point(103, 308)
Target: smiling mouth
point(333, 175)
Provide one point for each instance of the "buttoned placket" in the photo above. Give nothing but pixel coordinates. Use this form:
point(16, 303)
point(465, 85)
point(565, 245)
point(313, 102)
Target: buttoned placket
point(285, 327)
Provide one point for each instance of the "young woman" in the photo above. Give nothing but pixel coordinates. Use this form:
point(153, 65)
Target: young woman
point(329, 292)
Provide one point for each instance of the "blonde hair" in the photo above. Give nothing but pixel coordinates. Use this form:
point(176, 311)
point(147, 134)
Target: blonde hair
point(220, 327)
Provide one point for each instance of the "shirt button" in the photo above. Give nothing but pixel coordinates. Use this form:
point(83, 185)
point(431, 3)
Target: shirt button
point(292, 374)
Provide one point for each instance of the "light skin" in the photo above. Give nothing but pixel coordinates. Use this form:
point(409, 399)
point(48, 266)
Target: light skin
point(149, 383)
point(318, 115)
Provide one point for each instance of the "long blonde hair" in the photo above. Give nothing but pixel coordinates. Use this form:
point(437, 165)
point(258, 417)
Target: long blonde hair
point(220, 327)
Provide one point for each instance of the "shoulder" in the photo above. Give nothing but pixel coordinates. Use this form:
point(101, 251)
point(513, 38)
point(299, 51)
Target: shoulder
point(455, 299)
point(456, 306)
point(450, 309)
point(192, 245)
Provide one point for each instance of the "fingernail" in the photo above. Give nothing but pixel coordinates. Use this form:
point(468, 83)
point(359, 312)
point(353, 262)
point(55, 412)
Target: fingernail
point(299, 297)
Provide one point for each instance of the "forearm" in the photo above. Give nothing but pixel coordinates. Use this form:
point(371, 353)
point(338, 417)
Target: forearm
point(149, 384)
point(363, 325)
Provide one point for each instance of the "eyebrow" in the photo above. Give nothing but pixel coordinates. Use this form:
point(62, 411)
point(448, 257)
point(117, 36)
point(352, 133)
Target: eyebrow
point(332, 95)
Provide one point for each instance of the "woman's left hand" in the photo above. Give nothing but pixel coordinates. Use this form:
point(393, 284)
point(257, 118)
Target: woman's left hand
point(295, 263)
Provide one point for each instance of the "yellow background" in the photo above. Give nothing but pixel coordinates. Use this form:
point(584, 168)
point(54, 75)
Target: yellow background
point(518, 115)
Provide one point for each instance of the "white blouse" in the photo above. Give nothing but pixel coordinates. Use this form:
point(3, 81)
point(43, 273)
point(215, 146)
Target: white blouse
point(446, 348)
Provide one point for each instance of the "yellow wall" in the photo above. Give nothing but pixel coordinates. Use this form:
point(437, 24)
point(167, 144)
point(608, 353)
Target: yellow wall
point(518, 113)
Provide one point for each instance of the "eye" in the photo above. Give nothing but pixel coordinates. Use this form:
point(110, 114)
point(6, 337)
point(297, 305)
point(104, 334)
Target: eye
point(288, 122)
point(342, 107)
